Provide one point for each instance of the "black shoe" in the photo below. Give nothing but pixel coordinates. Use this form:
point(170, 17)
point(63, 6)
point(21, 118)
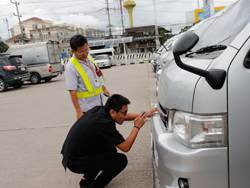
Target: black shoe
point(84, 183)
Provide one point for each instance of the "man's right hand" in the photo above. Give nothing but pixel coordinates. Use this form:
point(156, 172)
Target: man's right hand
point(79, 114)
point(140, 120)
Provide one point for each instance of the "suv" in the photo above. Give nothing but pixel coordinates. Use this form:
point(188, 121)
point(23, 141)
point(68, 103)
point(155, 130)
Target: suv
point(13, 72)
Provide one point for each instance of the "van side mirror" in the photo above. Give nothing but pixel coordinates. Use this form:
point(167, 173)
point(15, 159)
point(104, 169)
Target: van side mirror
point(214, 77)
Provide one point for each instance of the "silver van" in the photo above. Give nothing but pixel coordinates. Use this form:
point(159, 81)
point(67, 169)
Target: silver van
point(200, 135)
point(43, 59)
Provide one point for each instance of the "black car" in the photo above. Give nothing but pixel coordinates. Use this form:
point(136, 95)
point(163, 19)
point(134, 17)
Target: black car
point(13, 72)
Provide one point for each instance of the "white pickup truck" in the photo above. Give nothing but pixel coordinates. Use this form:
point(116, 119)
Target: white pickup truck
point(43, 59)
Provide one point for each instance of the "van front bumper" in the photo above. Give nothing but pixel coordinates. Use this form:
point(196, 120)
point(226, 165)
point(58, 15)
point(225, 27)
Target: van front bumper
point(205, 167)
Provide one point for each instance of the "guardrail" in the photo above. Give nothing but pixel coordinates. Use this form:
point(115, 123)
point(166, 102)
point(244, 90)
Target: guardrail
point(132, 59)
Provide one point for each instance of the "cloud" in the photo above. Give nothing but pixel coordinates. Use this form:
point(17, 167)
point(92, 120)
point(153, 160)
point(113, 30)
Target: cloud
point(170, 13)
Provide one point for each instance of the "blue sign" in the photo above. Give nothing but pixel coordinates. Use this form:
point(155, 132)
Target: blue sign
point(208, 8)
point(63, 55)
point(207, 12)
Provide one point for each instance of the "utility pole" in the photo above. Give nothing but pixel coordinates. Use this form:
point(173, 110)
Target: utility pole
point(7, 23)
point(122, 16)
point(22, 37)
point(198, 4)
point(156, 28)
point(109, 26)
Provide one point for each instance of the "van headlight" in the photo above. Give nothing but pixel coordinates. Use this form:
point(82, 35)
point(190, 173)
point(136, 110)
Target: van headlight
point(198, 131)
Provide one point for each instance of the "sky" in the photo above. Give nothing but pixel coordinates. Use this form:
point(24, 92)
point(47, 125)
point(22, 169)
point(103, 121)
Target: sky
point(170, 14)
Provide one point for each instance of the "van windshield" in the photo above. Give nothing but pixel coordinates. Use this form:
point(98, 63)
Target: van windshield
point(224, 29)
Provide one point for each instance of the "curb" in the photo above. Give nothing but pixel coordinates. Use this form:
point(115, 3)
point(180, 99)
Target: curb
point(156, 180)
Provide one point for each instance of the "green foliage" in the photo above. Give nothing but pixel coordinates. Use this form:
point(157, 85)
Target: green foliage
point(186, 28)
point(3, 47)
point(166, 38)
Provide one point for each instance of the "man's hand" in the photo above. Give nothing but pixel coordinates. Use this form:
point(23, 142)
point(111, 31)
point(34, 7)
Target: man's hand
point(151, 112)
point(105, 91)
point(140, 120)
point(79, 114)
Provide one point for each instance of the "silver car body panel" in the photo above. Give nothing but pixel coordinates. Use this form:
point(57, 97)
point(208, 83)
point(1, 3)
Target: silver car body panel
point(174, 160)
point(181, 90)
point(172, 83)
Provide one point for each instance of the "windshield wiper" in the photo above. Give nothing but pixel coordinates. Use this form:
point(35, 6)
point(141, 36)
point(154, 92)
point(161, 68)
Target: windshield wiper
point(208, 49)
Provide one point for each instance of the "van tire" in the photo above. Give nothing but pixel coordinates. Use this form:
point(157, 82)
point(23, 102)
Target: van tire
point(2, 85)
point(18, 85)
point(35, 78)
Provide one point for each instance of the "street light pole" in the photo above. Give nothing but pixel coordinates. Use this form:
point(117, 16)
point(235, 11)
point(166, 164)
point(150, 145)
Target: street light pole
point(7, 23)
point(156, 28)
point(110, 34)
point(22, 37)
point(122, 16)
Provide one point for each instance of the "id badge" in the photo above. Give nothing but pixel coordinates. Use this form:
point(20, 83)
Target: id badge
point(96, 82)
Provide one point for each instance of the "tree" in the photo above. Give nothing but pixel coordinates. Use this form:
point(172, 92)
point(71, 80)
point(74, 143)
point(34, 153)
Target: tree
point(3, 47)
point(186, 28)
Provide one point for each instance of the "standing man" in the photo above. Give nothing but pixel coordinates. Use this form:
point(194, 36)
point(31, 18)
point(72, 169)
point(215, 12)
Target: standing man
point(90, 146)
point(83, 83)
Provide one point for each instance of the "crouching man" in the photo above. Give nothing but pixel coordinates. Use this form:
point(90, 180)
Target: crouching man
point(90, 146)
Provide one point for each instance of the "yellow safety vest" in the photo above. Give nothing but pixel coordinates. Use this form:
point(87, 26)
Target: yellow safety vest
point(91, 92)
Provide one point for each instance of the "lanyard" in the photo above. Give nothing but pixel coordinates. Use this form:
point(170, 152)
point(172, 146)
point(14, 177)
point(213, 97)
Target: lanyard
point(92, 68)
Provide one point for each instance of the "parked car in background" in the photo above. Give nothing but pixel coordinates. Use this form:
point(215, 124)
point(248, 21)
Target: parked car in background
point(155, 57)
point(13, 72)
point(105, 51)
point(103, 61)
point(43, 59)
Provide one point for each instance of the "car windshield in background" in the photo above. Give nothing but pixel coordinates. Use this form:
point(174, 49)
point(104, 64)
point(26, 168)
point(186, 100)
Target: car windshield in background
point(101, 57)
point(216, 34)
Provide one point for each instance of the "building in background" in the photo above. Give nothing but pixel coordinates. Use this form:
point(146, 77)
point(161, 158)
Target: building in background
point(17, 40)
point(198, 15)
point(29, 24)
point(87, 31)
point(54, 33)
point(38, 30)
point(91, 32)
point(144, 40)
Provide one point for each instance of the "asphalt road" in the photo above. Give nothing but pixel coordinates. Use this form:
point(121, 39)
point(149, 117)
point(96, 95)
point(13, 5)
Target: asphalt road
point(35, 119)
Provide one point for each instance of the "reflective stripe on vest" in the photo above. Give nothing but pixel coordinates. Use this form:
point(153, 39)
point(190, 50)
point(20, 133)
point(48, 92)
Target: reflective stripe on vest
point(91, 92)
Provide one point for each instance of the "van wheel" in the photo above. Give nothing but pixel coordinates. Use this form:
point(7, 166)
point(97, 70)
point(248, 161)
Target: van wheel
point(2, 85)
point(35, 78)
point(47, 79)
point(18, 85)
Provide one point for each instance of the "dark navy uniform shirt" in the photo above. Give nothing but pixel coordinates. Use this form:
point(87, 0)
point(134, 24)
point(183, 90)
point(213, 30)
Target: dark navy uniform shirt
point(90, 133)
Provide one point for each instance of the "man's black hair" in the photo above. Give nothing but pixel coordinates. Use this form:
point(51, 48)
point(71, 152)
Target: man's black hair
point(116, 102)
point(77, 41)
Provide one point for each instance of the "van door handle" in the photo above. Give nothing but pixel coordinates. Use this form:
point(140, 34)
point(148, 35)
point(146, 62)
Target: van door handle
point(247, 60)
